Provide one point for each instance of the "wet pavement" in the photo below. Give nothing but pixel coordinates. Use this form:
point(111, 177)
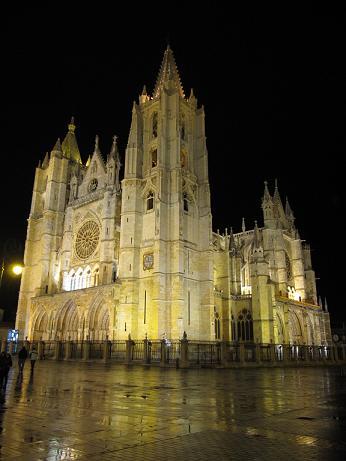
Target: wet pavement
point(94, 411)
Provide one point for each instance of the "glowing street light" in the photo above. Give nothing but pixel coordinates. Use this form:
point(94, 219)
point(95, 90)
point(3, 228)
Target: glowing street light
point(17, 269)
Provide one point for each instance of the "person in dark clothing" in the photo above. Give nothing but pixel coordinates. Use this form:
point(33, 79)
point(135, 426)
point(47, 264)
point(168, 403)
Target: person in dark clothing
point(5, 365)
point(22, 356)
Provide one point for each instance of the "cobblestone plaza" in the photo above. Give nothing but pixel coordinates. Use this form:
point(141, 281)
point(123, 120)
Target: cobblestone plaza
point(94, 411)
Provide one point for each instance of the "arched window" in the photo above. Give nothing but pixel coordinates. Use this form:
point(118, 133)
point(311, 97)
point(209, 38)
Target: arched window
point(96, 276)
point(73, 281)
point(245, 326)
point(88, 278)
point(150, 201)
point(154, 125)
point(217, 326)
point(153, 158)
point(186, 202)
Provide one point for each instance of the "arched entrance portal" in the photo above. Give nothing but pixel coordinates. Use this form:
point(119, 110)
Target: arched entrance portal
point(67, 321)
point(99, 322)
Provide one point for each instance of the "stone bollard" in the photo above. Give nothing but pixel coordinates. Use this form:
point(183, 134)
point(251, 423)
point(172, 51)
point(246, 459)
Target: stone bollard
point(86, 350)
point(106, 350)
point(57, 352)
point(40, 351)
point(184, 354)
point(3, 345)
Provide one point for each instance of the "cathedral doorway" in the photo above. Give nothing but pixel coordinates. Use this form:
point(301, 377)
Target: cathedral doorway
point(67, 321)
point(99, 322)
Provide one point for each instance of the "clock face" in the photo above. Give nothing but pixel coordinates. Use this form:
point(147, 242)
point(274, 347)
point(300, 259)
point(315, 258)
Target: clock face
point(148, 261)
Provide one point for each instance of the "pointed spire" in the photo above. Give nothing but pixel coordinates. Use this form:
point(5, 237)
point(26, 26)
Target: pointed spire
point(288, 211)
point(45, 162)
point(256, 236)
point(232, 243)
point(144, 96)
point(279, 212)
point(243, 228)
point(168, 73)
point(114, 153)
point(57, 150)
point(266, 195)
point(97, 148)
point(69, 146)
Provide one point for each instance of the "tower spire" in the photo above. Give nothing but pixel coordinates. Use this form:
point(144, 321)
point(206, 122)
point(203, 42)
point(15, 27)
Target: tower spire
point(168, 73)
point(69, 145)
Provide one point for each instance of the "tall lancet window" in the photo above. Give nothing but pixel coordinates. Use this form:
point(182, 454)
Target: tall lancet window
point(182, 128)
point(186, 202)
point(150, 201)
point(153, 158)
point(154, 125)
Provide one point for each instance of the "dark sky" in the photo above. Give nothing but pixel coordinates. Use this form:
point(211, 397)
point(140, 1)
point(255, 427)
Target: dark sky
point(273, 91)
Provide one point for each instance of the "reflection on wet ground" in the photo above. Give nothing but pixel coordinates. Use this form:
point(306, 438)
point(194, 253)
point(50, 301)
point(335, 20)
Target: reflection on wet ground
point(93, 411)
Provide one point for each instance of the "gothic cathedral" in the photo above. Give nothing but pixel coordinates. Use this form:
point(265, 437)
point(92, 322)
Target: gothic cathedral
point(106, 258)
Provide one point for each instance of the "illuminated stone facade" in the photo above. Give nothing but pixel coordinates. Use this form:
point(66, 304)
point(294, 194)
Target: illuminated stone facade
point(110, 258)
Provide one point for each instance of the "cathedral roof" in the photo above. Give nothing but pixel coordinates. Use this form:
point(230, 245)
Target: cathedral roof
point(69, 145)
point(168, 72)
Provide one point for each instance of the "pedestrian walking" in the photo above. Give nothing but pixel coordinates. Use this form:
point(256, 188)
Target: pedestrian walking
point(33, 357)
point(5, 365)
point(22, 356)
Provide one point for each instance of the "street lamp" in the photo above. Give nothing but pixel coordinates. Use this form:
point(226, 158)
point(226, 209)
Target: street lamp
point(17, 269)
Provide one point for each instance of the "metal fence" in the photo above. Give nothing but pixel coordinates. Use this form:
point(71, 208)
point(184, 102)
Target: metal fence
point(184, 353)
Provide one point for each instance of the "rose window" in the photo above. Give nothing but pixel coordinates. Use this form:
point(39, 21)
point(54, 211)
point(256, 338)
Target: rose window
point(87, 239)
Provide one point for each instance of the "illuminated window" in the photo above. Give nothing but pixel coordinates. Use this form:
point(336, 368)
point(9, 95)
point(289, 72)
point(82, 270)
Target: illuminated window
point(245, 326)
point(150, 201)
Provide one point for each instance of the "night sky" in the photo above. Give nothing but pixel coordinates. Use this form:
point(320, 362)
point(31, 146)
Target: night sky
point(274, 97)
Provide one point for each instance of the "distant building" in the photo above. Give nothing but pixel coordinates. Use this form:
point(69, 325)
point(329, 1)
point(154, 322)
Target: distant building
point(106, 257)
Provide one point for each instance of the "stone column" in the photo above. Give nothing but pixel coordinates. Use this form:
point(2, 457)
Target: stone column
point(146, 350)
point(86, 349)
point(241, 353)
point(40, 351)
point(57, 350)
point(163, 358)
point(272, 353)
point(184, 354)
point(68, 347)
point(107, 350)
point(223, 353)
point(258, 353)
point(129, 346)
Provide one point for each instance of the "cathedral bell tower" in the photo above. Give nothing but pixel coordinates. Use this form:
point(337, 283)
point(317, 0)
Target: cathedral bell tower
point(166, 263)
